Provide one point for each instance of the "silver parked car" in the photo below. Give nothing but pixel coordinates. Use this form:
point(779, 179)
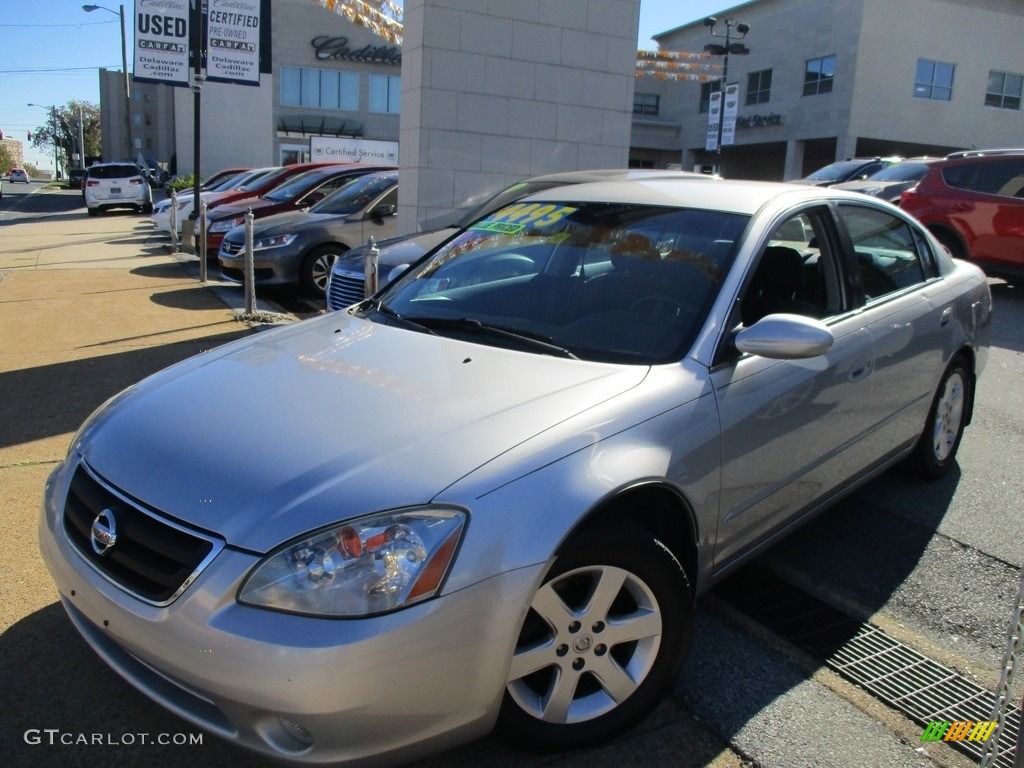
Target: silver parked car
point(489, 495)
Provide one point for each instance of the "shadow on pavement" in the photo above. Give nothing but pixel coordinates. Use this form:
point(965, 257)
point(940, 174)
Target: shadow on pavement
point(55, 399)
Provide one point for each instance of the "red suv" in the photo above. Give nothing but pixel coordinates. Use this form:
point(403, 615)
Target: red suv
point(974, 203)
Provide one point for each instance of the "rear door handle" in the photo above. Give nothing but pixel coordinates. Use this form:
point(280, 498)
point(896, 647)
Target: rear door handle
point(947, 315)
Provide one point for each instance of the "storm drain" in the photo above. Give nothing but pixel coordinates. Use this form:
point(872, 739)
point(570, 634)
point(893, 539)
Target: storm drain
point(904, 679)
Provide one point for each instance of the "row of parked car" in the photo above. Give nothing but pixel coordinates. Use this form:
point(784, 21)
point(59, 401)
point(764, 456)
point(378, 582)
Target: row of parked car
point(313, 220)
point(972, 201)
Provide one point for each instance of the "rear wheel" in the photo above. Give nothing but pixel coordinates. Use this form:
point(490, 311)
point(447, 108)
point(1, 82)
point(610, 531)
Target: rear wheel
point(936, 448)
point(316, 267)
point(602, 642)
point(94, 211)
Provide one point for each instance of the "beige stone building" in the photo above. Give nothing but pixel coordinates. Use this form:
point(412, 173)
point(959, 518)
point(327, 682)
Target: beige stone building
point(825, 81)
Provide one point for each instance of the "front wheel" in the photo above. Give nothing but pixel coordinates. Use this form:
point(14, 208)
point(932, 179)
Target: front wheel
point(316, 268)
point(936, 448)
point(602, 642)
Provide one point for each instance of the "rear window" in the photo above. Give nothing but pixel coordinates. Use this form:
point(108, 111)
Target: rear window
point(1003, 177)
point(121, 171)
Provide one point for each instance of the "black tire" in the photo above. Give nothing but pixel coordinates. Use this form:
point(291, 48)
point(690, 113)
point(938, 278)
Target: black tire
point(93, 211)
point(147, 209)
point(317, 266)
point(935, 452)
point(617, 630)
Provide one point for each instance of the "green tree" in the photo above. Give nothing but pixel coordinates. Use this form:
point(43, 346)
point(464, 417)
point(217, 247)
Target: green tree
point(6, 161)
point(66, 121)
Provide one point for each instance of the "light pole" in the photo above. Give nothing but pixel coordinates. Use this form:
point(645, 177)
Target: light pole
point(127, 78)
point(724, 50)
point(53, 118)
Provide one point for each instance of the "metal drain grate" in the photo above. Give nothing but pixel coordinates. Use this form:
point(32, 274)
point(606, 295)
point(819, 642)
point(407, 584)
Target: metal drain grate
point(901, 677)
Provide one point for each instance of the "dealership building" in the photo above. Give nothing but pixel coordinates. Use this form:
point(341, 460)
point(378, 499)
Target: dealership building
point(513, 90)
point(824, 81)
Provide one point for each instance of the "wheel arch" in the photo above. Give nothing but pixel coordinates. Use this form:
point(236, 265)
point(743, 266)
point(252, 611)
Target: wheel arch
point(943, 231)
point(659, 509)
point(967, 354)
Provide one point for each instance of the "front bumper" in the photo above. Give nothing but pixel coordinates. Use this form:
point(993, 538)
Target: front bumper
point(268, 270)
point(378, 690)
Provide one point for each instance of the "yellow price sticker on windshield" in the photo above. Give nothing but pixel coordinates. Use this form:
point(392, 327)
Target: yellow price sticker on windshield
point(536, 215)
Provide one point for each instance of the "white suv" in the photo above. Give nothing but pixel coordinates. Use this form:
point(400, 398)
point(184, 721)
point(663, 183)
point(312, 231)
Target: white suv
point(117, 185)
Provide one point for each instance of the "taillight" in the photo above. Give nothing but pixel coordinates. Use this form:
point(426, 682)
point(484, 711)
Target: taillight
point(136, 182)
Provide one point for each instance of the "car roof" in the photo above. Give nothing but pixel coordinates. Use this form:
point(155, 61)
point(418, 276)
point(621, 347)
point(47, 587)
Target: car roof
point(743, 197)
point(609, 174)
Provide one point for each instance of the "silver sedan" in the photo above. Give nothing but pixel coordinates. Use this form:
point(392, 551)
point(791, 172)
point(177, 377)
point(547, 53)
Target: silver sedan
point(489, 496)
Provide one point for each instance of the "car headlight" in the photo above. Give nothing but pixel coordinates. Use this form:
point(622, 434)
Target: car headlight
point(362, 567)
point(223, 225)
point(275, 241)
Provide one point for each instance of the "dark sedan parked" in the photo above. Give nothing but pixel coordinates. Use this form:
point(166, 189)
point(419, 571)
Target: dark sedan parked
point(301, 247)
point(295, 194)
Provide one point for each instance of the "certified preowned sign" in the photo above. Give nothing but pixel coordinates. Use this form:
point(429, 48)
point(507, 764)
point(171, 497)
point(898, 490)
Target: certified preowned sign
point(325, 149)
point(161, 41)
point(233, 41)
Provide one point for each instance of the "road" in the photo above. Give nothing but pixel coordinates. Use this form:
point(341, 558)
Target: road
point(932, 566)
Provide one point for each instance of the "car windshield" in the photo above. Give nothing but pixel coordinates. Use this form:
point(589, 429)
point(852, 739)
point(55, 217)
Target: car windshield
point(355, 195)
point(506, 196)
point(254, 177)
point(836, 170)
point(901, 172)
point(295, 186)
point(230, 182)
point(607, 282)
point(114, 171)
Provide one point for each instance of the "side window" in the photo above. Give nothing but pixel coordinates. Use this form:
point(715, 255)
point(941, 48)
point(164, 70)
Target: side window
point(796, 273)
point(889, 256)
point(1001, 177)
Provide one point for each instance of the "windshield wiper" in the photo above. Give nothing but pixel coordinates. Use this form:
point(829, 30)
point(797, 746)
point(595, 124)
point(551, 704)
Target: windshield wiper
point(378, 307)
point(533, 341)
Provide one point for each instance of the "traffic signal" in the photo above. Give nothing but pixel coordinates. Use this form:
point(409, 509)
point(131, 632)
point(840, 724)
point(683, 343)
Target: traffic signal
point(30, 135)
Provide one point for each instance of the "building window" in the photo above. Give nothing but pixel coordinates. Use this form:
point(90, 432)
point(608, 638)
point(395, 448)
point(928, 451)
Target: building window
point(385, 94)
point(933, 80)
point(1004, 90)
point(706, 89)
point(646, 103)
point(759, 87)
point(323, 88)
point(819, 74)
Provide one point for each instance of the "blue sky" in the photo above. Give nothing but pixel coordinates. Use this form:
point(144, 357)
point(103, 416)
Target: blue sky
point(52, 50)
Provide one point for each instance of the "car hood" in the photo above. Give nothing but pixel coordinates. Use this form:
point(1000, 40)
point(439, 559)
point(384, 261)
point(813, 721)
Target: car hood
point(228, 210)
point(284, 223)
point(268, 438)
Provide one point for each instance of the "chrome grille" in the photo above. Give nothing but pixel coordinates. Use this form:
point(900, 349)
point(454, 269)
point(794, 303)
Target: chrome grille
point(346, 289)
point(152, 558)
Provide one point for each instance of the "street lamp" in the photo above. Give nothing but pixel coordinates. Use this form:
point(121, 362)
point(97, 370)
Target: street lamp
point(53, 117)
point(724, 50)
point(127, 79)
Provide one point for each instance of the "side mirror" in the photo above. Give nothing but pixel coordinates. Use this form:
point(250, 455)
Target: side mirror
point(396, 272)
point(785, 337)
point(383, 211)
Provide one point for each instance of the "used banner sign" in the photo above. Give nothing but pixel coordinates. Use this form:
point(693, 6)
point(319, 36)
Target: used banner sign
point(233, 41)
point(161, 41)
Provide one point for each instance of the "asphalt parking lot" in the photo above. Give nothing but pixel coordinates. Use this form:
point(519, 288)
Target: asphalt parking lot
point(89, 306)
